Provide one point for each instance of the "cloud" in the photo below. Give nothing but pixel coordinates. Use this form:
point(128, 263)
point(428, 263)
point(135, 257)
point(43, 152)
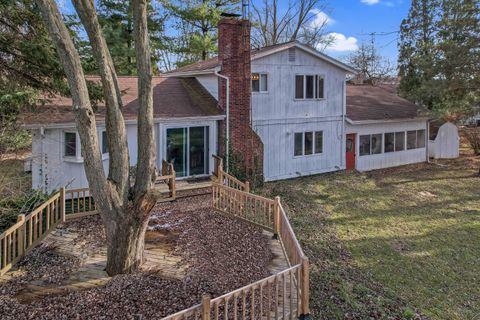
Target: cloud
point(342, 43)
point(370, 2)
point(321, 18)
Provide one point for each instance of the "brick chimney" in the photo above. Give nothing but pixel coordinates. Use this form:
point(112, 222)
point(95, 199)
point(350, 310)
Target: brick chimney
point(246, 148)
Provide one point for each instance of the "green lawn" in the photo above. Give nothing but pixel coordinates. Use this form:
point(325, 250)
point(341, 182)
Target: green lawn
point(395, 243)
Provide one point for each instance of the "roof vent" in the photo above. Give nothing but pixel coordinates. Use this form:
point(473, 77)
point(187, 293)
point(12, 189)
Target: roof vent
point(291, 55)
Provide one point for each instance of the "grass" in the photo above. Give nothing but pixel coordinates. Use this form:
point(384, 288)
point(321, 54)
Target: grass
point(395, 243)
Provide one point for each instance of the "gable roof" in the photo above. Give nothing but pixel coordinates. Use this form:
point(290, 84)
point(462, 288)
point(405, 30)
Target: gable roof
point(209, 65)
point(172, 98)
point(378, 103)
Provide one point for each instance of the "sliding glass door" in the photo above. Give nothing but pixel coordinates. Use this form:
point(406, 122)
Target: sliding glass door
point(187, 148)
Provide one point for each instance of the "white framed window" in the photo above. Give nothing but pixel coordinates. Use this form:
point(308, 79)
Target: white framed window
point(371, 144)
point(259, 82)
point(308, 143)
point(104, 142)
point(71, 146)
point(415, 139)
point(309, 87)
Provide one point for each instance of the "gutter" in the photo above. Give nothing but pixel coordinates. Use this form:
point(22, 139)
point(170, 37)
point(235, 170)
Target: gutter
point(360, 122)
point(227, 120)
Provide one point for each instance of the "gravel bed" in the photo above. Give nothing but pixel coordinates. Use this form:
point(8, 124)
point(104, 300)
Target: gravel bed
point(223, 254)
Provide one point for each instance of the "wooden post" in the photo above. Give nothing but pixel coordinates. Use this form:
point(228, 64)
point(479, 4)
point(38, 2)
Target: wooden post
point(247, 186)
point(173, 188)
point(305, 288)
point(21, 235)
point(276, 217)
point(206, 307)
point(62, 204)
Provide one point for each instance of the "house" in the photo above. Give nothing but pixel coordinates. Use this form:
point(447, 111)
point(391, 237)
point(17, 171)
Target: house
point(280, 112)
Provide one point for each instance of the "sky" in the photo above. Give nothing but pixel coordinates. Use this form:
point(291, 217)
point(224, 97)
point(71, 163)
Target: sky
point(352, 21)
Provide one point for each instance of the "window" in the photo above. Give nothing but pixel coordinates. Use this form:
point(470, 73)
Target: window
point(299, 87)
point(298, 144)
point(319, 81)
point(399, 141)
point(411, 140)
point(364, 145)
point(259, 82)
point(308, 143)
point(104, 142)
point(389, 142)
point(70, 143)
point(319, 142)
point(370, 144)
point(376, 143)
point(309, 87)
point(415, 139)
point(420, 138)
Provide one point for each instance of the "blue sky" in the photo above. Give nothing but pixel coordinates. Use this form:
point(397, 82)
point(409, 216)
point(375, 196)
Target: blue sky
point(352, 21)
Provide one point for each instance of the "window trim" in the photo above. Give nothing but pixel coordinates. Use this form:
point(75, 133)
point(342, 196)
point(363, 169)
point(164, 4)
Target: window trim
point(78, 152)
point(315, 76)
point(259, 82)
point(314, 141)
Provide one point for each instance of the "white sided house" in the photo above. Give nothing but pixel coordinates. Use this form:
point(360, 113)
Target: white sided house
point(286, 109)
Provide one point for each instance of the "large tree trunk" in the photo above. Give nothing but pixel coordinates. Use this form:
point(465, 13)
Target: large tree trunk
point(126, 237)
point(125, 211)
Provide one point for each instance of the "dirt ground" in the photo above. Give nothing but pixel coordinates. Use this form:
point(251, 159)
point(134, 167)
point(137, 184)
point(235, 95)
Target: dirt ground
point(214, 247)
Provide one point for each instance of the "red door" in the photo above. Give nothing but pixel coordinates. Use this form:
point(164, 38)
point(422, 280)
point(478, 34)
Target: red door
point(350, 153)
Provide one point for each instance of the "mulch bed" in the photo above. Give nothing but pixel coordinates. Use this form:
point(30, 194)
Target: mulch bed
point(223, 254)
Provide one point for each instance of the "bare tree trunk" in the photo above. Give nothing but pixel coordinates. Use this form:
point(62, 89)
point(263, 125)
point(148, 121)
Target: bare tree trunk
point(146, 141)
point(125, 211)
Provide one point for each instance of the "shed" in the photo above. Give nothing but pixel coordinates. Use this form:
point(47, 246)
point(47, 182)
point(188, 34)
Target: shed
point(446, 144)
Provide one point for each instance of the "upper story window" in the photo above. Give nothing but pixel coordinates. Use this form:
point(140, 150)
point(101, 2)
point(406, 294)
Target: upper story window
point(309, 87)
point(307, 143)
point(259, 82)
point(70, 144)
point(104, 142)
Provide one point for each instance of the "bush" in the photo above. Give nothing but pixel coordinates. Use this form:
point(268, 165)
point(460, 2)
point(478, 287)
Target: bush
point(11, 207)
point(473, 137)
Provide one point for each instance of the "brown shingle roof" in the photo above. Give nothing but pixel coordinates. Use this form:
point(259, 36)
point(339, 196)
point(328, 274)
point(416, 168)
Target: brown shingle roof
point(172, 98)
point(366, 102)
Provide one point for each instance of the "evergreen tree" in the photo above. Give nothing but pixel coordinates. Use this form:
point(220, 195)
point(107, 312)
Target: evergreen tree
point(439, 56)
point(116, 19)
point(196, 21)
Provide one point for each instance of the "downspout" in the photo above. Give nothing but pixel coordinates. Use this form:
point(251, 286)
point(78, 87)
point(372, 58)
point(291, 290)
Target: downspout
point(227, 120)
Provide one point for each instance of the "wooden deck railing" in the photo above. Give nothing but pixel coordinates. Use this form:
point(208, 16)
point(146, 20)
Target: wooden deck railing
point(79, 203)
point(168, 176)
point(284, 295)
point(246, 206)
point(30, 230)
point(227, 179)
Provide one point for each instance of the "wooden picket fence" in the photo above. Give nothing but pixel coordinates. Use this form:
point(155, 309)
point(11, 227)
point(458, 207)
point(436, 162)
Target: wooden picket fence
point(226, 179)
point(30, 230)
point(284, 295)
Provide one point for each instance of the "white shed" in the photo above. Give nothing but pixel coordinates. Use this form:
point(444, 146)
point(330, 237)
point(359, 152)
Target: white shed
point(446, 144)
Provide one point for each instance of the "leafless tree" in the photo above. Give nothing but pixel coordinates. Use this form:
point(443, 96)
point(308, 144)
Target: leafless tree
point(125, 209)
point(372, 67)
point(303, 20)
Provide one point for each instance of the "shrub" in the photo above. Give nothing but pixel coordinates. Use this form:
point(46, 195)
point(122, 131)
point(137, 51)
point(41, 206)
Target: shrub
point(473, 137)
